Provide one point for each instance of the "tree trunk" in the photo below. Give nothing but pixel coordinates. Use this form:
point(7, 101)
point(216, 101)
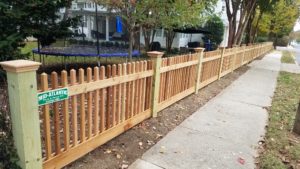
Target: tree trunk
point(296, 128)
point(256, 27)
point(147, 36)
point(152, 38)
point(242, 26)
point(231, 33)
point(169, 39)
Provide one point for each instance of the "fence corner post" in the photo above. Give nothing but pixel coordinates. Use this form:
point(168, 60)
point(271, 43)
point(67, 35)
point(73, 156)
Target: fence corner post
point(200, 52)
point(221, 62)
point(156, 58)
point(22, 90)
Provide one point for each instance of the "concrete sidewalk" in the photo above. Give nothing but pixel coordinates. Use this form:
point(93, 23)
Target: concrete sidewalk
point(223, 133)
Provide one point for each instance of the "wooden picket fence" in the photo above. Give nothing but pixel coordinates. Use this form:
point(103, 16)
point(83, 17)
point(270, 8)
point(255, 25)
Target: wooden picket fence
point(106, 101)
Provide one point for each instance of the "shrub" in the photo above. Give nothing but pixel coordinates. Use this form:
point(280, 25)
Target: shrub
point(216, 27)
point(103, 44)
point(117, 44)
point(284, 41)
point(155, 46)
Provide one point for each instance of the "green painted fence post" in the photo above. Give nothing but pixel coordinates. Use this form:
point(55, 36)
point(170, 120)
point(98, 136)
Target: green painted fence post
point(200, 52)
point(22, 90)
point(156, 58)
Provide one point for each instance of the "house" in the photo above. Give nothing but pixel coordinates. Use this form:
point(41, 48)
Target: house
point(88, 26)
point(107, 29)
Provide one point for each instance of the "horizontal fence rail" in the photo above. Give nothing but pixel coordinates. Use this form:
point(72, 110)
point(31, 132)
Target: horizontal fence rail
point(106, 101)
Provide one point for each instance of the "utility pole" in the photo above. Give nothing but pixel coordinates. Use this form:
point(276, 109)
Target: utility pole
point(82, 22)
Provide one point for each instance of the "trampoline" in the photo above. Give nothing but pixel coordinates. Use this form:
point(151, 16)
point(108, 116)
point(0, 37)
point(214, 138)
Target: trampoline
point(85, 51)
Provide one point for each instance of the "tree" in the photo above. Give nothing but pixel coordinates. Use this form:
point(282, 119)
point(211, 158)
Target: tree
point(127, 10)
point(280, 21)
point(263, 6)
point(245, 9)
point(216, 27)
point(183, 14)
point(11, 36)
point(37, 18)
point(148, 12)
point(167, 14)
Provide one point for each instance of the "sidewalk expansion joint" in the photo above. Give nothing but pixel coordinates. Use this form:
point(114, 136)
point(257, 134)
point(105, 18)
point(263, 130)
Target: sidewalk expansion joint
point(152, 163)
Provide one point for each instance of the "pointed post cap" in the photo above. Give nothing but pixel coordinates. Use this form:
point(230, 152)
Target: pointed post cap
point(198, 50)
point(18, 66)
point(155, 54)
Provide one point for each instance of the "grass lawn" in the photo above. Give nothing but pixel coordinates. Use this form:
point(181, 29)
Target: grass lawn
point(287, 57)
point(282, 148)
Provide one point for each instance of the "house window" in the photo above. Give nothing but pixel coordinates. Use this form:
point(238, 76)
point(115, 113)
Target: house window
point(89, 5)
point(80, 5)
point(223, 7)
point(158, 32)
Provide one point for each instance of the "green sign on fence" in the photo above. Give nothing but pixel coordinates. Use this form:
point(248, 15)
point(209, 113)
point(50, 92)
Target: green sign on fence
point(53, 96)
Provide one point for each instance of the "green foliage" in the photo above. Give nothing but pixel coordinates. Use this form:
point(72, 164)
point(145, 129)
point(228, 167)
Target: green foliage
point(8, 154)
point(10, 35)
point(282, 41)
point(152, 14)
point(37, 18)
point(279, 21)
point(216, 27)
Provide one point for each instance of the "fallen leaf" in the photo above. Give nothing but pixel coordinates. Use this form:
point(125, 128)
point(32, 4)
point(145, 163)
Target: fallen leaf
point(241, 160)
point(107, 151)
point(124, 166)
point(162, 149)
point(158, 136)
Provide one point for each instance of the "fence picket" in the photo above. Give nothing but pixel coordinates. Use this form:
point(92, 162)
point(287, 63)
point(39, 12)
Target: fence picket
point(74, 109)
point(54, 84)
point(113, 95)
point(65, 108)
point(96, 103)
point(46, 116)
point(82, 108)
point(102, 101)
point(108, 101)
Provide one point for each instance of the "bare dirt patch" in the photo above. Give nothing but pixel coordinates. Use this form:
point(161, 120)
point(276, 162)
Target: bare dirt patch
point(129, 146)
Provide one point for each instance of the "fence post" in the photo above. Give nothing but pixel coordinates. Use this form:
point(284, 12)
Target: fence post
point(22, 90)
point(156, 57)
point(244, 51)
point(221, 62)
point(199, 68)
point(234, 58)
